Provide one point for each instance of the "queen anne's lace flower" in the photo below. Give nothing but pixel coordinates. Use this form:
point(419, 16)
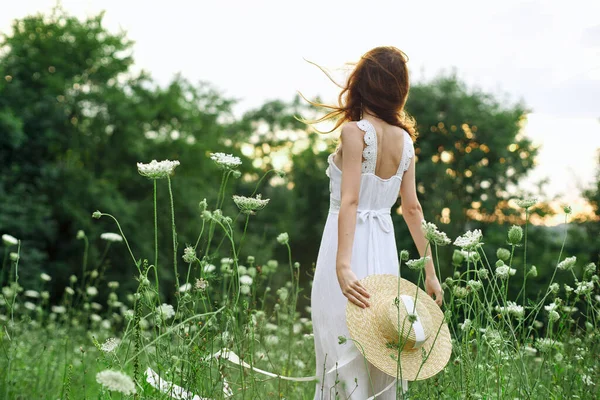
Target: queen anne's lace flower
point(45, 277)
point(189, 254)
point(32, 294)
point(9, 240)
point(157, 169)
point(110, 345)
point(185, 287)
point(246, 280)
point(165, 311)
point(283, 238)
point(111, 237)
point(419, 263)
point(249, 205)
point(568, 263)
point(526, 203)
point(226, 161)
point(511, 308)
point(503, 271)
point(201, 284)
point(433, 235)
point(92, 291)
point(470, 240)
point(584, 287)
point(59, 309)
point(116, 381)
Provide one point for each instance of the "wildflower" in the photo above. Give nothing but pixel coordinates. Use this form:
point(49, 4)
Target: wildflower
point(173, 390)
point(189, 254)
point(584, 287)
point(342, 339)
point(201, 284)
point(185, 287)
point(457, 257)
point(95, 318)
point(29, 305)
point(567, 264)
point(283, 293)
point(110, 345)
point(546, 344)
point(271, 340)
point(553, 316)
point(9, 240)
point(250, 259)
point(271, 266)
point(116, 381)
point(244, 289)
point(419, 263)
point(470, 240)
point(533, 271)
point(242, 270)
point(283, 238)
point(249, 205)
point(157, 169)
point(503, 254)
point(526, 203)
point(94, 274)
point(111, 237)
point(226, 161)
point(532, 351)
point(92, 291)
point(590, 268)
point(433, 235)
point(96, 214)
point(69, 291)
point(587, 380)
point(45, 277)
point(554, 288)
point(474, 285)
point(165, 310)
point(567, 209)
point(113, 285)
point(568, 288)
point(465, 325)
point(246, 280)
point(59, 309)
point(45, 295)
point(80, 235)
point(404, 255)
point(208, 268)
point(203, 205)
point(503, 271)
point(72, 279)
point(460, 292)
point(206, 215)
point(512, 308)
point(515, 234)
point(482, 273)
point(14, 256)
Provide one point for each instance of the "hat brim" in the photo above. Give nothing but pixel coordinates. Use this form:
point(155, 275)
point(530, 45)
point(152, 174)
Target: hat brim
point(417, 364)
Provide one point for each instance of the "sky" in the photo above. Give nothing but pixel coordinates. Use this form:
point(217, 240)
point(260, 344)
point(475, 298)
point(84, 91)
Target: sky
point(545, 53)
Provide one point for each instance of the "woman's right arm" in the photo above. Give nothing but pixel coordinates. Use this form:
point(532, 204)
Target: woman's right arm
point(413, 216)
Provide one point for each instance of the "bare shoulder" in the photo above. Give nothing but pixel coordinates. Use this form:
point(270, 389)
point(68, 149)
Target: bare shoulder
point(351, 133)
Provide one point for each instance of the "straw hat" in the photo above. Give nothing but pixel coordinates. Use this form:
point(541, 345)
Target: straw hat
point(425, 343)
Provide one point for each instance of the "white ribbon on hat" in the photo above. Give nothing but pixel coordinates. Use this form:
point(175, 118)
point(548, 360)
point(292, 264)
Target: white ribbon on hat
point(417, 325)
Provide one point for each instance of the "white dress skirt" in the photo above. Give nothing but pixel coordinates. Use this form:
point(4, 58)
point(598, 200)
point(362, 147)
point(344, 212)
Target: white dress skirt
point(342, 371)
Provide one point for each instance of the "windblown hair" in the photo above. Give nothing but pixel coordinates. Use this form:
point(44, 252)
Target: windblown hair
point(378, 84)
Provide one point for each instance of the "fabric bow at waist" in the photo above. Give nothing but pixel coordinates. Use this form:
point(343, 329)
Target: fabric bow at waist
point(377, 215)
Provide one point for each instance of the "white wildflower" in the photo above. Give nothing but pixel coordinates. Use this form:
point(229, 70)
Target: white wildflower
point(283, 238)
point(32, 294)
point(208, 268)
point(246, 280)
point(466, 325)
point(157, 169)
point(9, 240)
point(29, 305)
point(169, 388)
point(69, 291)
point(185, 287)
point(96, 306)
point(526, 203)
point(554, 288)
point(419, 263)
point(14, 256)
point(568, 263)
point(584, 287)
point(59, 309)
point(166, 311)
point(503, 271)
point(201, 284)
point(249, 205)
point(45, 277)
point(111, 237)
point(116, 381)
point(551, 307)
point(532, 351)
point(433, 235)
point(474, 285)
point(470, 256)
point(110, 345)
point(587, 380)
point(113, 285)
point(271, 340)
point(95, 318)
point(553, 316)
point(546, 344)
point(470, 240)
point(92, 291)
point(271, 327)
point(189, 254)
point(226, 161)
point(511, 308)
point(244, 289)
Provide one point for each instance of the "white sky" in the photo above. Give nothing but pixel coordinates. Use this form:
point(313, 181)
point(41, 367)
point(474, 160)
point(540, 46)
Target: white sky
point(546, 53)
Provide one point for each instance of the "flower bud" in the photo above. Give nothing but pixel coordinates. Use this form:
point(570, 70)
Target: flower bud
point(96, 214)
point(457, 257)
point(515, 234)
point(404, 255)
point(503, 254)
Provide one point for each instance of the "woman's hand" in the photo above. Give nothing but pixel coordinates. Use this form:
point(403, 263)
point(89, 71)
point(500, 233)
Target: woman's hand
point(351, 287)
point(432, 287)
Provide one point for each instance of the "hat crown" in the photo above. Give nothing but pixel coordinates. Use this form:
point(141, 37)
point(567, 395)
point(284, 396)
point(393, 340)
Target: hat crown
point(399, 328)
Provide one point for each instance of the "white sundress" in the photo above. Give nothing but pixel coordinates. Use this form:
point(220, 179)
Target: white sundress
point(374, 252)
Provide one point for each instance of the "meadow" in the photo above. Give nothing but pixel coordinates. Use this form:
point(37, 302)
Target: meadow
point(138, 345)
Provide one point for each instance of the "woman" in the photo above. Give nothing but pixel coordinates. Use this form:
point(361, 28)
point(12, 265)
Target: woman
point(373, 166)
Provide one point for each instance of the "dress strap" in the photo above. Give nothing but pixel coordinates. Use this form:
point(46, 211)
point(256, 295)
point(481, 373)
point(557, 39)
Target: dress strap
point(370, 151)
point(408, 152)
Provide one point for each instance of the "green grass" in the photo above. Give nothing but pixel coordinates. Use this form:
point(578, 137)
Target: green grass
point(503, 348)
